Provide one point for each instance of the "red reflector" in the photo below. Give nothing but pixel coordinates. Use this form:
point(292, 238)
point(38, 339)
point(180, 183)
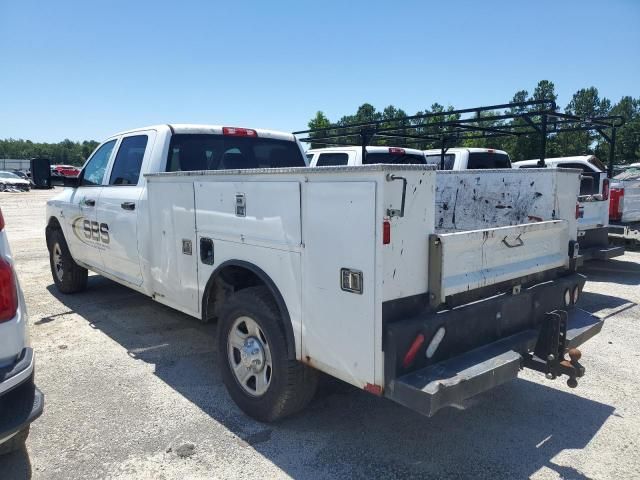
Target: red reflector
point(8, 292)
point(1, 221)
point(375, 389)
point(579, 211)
point(605, 189)
point(396, 151)
point(239, 132)
point(386, 232)
point(413, 351)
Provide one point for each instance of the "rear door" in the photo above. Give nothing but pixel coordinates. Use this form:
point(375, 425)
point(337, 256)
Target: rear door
point(82, 230)
point(117, 208)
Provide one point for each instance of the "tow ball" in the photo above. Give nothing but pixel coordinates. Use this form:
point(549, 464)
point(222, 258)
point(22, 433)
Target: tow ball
point(548, 356)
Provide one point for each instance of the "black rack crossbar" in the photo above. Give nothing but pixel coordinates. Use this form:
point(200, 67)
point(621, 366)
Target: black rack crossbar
point(535, 117)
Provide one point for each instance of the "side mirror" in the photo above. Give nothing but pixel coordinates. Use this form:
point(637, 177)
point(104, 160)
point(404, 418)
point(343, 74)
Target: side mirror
point(41, 172)
point(72, 182)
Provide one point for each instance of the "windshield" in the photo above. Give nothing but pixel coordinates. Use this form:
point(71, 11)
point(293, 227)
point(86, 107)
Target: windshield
point(632, 173)
point(9, 175)
point(394, 158)
point(484, 160)
point(189, 152)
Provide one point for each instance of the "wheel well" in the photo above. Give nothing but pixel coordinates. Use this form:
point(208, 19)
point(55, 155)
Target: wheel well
point(235, 275)
point(52, 224)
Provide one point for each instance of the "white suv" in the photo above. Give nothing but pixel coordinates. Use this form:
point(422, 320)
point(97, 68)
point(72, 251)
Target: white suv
point(20, 401)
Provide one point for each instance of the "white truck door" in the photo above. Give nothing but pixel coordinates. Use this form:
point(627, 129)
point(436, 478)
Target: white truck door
point(117, 207)
point(82, 230)
point(337, 324)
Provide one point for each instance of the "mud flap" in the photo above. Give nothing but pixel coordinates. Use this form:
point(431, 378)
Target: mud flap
point(450, 382)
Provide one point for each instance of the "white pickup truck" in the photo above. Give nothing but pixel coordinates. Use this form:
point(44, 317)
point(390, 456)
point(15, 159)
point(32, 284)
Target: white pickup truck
point(338, 269)
point(593, 222)
point(20, 400)
point(624, 205)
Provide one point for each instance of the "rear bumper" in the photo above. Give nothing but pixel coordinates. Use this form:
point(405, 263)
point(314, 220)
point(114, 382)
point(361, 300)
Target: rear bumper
point(20, 401)
point(484, 344)
point(629, 231)
point(450, 382)
point(594, 245)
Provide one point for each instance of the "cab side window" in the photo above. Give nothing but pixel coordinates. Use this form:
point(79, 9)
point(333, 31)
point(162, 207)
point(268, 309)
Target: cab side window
point(93, 172)
point(126, 167)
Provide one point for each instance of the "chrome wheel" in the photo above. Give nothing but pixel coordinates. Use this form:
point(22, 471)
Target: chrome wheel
point(57, 261)
point(249, 356)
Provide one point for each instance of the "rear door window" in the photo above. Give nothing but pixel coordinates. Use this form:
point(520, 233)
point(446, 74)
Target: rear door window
point(394, 158)
point(449, 161)
point(126, 167)
point(485, 160)
point(332, 159)
point(190, 152)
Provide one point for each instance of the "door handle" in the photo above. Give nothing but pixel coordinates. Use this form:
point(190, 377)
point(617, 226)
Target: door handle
point(128, 205)
point(89, 202)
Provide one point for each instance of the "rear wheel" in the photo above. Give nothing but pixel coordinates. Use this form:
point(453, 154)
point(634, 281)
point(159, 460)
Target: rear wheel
point(15, 443)
point(68, 276)
point(252, 353)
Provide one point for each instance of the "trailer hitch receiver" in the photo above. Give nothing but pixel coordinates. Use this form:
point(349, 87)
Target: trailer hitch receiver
point(548, 356)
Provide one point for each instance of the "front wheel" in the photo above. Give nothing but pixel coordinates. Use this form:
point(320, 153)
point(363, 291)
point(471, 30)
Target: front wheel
point(252, 353)
point(68, 276)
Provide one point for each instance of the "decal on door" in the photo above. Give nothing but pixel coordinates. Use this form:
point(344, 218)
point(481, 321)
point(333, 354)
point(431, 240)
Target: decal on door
point(91, 232)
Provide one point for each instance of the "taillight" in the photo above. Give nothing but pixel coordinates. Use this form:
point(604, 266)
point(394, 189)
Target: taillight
point(8, 292)
point(605, 189)
point(239, 132)
point(396, 151)
point(579, 211)
point(616, 202)
point(386, 232)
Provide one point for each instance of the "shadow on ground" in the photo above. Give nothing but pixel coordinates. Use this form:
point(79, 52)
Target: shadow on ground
point(511, 432)
point(621, 271)
point(16, 465)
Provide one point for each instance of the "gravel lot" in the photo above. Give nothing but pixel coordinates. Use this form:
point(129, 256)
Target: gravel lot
point(132, 391)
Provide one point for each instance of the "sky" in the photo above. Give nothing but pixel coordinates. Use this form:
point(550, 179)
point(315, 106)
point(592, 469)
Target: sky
point(87, 69)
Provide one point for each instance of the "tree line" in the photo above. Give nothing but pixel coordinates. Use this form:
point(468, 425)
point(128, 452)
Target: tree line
point(65, 152)
point(585, 102)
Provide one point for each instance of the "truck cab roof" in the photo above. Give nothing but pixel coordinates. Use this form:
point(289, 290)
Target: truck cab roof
point(370, 149)
point(590, 161)
point(465, 149)
point(194, 128)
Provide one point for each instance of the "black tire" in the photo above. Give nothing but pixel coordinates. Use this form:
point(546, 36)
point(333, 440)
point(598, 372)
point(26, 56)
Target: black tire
point(292, 384)
point(16, 442)
point(68, 276)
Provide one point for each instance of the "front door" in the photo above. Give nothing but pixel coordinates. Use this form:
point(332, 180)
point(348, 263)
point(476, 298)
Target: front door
point(84, 236)
point(119, 204)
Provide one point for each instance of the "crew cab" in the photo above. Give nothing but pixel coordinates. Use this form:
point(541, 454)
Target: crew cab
point(352, 156)
point(468, 158)
point(593, 203)
point(624, 205)
point(335, 269)
point(20, 400)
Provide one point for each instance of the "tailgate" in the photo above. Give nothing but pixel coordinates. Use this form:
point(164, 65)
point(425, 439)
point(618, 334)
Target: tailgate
point(594, 214)
point(464, 261)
